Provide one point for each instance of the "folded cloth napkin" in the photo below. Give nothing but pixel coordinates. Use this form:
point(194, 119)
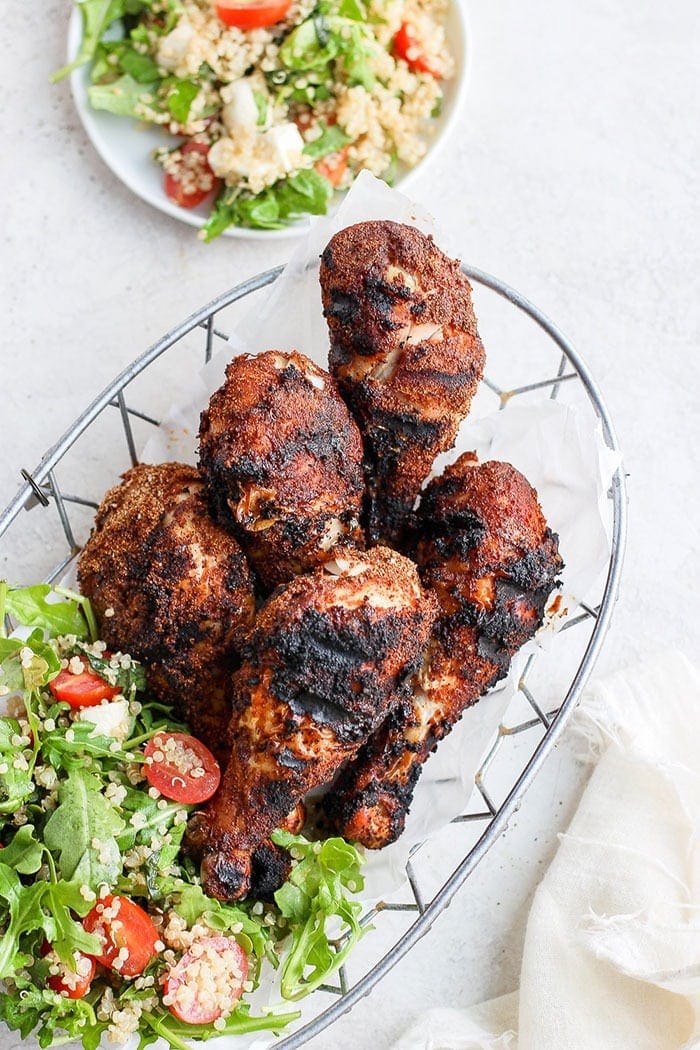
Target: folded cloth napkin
point(611, 958)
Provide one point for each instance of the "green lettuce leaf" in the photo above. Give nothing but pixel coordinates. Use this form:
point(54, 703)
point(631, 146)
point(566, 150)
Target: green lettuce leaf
point(122, 97)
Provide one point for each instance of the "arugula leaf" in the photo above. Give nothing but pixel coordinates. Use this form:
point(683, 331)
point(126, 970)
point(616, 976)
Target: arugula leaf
point(331, 139)
point(122, 97)
point(180, 1034)
point(23, 852)
point(312, 897)
point(82, 817)
point(16, 785)
point(17, 673)
point(37, 1007)
point(44, 906)
point(67, 935)
point(131, 679)
point(61, 753)
point(28, 606)
point(154, 820)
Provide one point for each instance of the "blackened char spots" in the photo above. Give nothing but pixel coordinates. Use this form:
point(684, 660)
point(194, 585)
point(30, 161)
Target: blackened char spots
point(322, 710)
point(270, 868)
point(342, 306)
point(328, 667)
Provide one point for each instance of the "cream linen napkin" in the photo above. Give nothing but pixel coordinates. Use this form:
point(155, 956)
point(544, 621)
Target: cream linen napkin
point(612, 949)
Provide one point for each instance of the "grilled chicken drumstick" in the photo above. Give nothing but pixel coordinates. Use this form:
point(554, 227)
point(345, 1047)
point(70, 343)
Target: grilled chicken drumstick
point(405, 350)
point(329, 655)
point(282, 457)
point(487, 554)
point(178, 587)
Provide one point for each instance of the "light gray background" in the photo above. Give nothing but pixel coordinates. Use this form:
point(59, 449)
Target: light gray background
point(574, 176)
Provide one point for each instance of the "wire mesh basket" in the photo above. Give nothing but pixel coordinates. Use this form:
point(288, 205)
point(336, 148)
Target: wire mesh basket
point(71, 478)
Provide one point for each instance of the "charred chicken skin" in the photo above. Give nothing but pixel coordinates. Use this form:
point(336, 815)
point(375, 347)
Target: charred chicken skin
point(331, 652)
point(490, 559)
point(405, 350)
point(282, 458)
point(171, 587)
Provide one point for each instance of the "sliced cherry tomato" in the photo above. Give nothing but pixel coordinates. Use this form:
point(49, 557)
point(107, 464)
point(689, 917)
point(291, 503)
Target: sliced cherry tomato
point(252, 14)
point(182, 769)
point(87, 689)
point(408, 46)
point(207, 982)
point(334, 166)
point(128, 936)
point(73, 984)
point(194, 180)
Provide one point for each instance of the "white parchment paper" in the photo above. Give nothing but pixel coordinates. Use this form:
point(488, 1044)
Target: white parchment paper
point(558, 447)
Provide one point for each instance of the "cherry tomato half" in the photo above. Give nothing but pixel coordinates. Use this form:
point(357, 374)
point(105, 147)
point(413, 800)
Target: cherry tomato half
point(214, 969)
point(126, 933)
point(408, 46)
point(73, 984)
point(182, 769)
point(334, 166)
point(253, 14)
point(87, 689)
point(194, 180)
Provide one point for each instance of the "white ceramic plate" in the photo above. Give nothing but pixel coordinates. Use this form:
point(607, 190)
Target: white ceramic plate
point(126, 146)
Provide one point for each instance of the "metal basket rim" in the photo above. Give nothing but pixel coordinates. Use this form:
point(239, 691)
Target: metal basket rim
point(499, 822)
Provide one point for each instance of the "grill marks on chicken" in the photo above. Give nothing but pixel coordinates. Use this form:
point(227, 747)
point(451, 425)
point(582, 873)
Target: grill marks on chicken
point(490, 559)
point(405, 350)
point(330, 654)
point(282, 458)
point(179, 587)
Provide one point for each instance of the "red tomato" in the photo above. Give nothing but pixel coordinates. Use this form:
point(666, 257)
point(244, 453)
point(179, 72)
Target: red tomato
point(87, 689)
point(186, 771)
point(334, 166)
point(71, 984)
point(408, 46)
point(182, 187)
point(252, 14)
point(126, 933)
point(214, 969)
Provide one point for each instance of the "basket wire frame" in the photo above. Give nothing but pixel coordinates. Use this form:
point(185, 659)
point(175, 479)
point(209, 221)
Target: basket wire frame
point(41, 488)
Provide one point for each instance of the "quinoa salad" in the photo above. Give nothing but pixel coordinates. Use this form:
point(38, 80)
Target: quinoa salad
point(270, 105)
point(105, 930)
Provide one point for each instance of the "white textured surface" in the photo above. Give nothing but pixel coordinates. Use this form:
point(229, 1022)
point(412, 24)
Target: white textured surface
point(575, 177)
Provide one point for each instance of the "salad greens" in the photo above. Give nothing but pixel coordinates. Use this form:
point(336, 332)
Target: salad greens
point(307, 192)
point(266, 126)
point(79, 822)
